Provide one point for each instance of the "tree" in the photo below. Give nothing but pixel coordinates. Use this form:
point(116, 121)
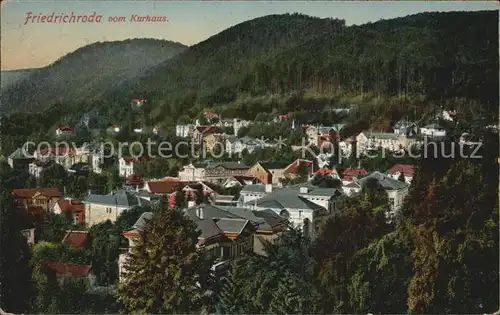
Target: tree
point(165, 270)
point(105, 240)
point(53, 176)
point(15, 272)
point(55, 226)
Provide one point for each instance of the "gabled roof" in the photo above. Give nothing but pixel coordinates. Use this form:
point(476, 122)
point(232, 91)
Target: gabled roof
point(75, 239)
point(355, 172)
point(385, 181)
point(232, 226)
point(30, 192)
point(73, 205)
point(134, 180)
point(273, 165)
point(380, 135)
point(243, 179)
point(122, 198)
point(80, 167)
point(285, 199)
point(68, 270)
point(254, 188)
point(294, 167)
point(406, 169)
point(65, 128)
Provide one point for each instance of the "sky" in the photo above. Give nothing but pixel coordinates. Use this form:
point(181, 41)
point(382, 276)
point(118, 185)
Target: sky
point(34, 45)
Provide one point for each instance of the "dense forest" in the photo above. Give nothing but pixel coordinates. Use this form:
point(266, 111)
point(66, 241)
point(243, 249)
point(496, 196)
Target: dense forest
point(85, 74)
point(423, 59)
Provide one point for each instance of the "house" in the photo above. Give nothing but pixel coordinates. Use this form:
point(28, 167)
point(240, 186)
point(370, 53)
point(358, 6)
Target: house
point(327, 172)
point(75, 207)
point(75, 239)
point(318, 134)
point(134, 181)
point(396, 190)
point(99, 208)
point(215, 172)
point(200, 132)
point(63, 156)
point(193, 172)
point(138, 102)
point(240, 181)
point(96, 160)
point(128, 165)
point(433, 130)
point(253, 192)
point(405, 128)
point(267, 172)
point(225, 200)
point(114, 129)
point(448, 115)
point(45, 198)
point(226, 233)
point(239, 123)
point(29, 234)
point(212, 141)
point(66, 270)
point(352, 188)
point(368, 140)
point(63, 131)
point(296, 167)
point(20, 159)
point(206, 188)
point(350, 174)
point(184, 131)
point(304, 206)
point(406, 170)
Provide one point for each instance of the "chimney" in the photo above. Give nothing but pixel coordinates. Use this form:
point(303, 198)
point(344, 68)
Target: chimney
point(191, 203)
point(269, 188)
point(304, 190)
point(298, 162)
point(199, 212)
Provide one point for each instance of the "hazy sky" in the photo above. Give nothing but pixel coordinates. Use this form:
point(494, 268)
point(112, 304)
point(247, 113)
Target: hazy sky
point(37, 44)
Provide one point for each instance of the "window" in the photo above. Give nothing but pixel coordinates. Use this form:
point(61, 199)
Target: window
point(391, 201)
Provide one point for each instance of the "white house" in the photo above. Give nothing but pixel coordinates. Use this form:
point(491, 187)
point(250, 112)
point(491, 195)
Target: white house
point(64, 131)
point(368, 140)
point(253, 192)
point(448, 115)
point(405, 169)
point(433, 130)
point(193, 172)
point(128, 165)
point(396, 190)
point(96, 162)
point(184, 131)
point(303, 205)
point(99, 208)
point(405, 128)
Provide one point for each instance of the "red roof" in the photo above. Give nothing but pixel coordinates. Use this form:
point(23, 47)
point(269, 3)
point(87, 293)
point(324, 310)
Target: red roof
point(164, 187)
point(294, 167)
point(406, 169)
point(209, 115)
point(75, 239)
point(204, 129)
point(72, 205)
point(355, 172)
point(325, 172)
point(65, 128)
point(134, 180)
point(30, 192)
point(71, 270)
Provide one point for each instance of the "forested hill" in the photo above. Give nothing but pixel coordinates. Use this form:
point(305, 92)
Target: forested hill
point(87, 73)
point(9, 77)
point(435, 55)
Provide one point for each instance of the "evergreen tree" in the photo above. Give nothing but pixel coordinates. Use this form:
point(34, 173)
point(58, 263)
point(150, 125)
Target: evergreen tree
point(15, 272)
point(164, 273)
